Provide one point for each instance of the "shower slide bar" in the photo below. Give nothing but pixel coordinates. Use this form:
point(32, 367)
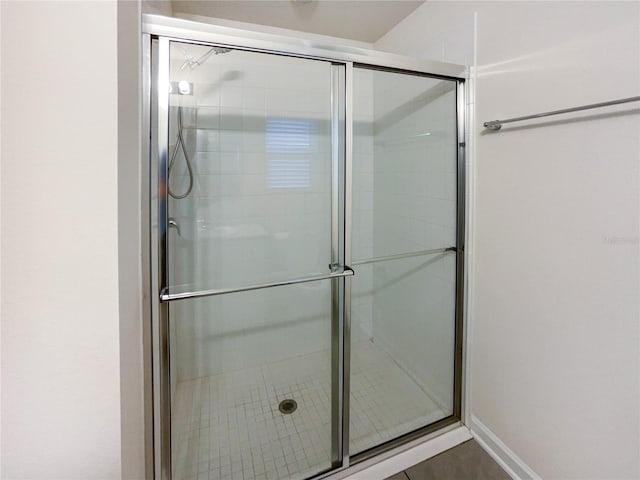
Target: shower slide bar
point(404, 255)
point(165, 296)
point(497, 124)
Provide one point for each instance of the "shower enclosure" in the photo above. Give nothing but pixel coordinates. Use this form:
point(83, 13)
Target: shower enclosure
point(306, 224)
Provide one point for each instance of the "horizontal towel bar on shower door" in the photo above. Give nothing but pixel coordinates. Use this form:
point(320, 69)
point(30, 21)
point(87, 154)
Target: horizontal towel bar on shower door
point(497, 124)
point(165, 296)
point(404, 255)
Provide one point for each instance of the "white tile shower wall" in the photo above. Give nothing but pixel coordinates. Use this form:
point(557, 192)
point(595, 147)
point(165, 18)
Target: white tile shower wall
point(260, 208)
point(414, 209)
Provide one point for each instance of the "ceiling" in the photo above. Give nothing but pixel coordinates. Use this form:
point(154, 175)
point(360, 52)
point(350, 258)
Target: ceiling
point(362, 20)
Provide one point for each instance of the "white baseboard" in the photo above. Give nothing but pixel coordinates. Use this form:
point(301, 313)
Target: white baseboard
point(503, 455)
point(412, 456)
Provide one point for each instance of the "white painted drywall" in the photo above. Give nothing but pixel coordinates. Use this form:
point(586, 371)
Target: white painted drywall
point(358, 20)
point(258, 28)
point(60, 356)
point(133, 332)
point(554, 298)
point(157, 7)
point(441, 30)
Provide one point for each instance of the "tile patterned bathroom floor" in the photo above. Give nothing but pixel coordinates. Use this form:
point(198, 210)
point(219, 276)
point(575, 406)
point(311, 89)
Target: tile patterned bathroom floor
point(228, 426)
point(467, 461)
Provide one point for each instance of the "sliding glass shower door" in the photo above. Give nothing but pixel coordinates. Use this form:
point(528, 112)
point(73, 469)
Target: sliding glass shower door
point(306, 231)
point(405, 193)
point(254, 184)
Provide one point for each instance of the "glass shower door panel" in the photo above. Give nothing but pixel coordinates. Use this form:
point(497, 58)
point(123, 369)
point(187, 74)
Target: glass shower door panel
point(404, 218)
point(252, 197)
point(252, 384)
point(402, 347)
point(250, 159)
point(404, 163)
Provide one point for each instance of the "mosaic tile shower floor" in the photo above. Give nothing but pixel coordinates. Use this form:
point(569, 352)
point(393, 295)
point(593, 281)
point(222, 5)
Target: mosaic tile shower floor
point(228, 426)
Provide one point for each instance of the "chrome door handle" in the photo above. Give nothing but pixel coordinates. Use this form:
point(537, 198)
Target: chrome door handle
point(165, 296)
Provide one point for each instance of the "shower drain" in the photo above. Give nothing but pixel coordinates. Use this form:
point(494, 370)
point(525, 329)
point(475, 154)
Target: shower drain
point(288, 406)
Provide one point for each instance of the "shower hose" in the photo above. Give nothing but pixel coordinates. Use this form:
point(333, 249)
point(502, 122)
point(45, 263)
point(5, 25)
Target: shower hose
point(180, 144)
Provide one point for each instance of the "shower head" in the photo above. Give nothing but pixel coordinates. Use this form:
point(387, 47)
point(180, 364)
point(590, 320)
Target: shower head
point(192, 64)
point(221, 50)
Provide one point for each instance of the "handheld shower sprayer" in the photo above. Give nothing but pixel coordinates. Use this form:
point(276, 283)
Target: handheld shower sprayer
point(186, 88)
point(180, 144)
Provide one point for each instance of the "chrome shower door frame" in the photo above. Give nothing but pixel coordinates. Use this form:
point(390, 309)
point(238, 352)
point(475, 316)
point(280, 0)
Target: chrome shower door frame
point(160, 31)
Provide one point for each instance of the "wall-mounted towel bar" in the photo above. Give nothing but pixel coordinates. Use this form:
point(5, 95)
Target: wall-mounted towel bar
point(497, 124)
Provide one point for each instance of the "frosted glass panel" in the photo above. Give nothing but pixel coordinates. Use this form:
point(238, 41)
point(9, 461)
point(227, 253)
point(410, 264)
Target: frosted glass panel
point(404, 201)
point(258, 139)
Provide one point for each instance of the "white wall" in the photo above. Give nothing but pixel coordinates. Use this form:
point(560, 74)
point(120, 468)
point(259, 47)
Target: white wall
point(60, 358)
point(134, 338)
point(554, 298)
